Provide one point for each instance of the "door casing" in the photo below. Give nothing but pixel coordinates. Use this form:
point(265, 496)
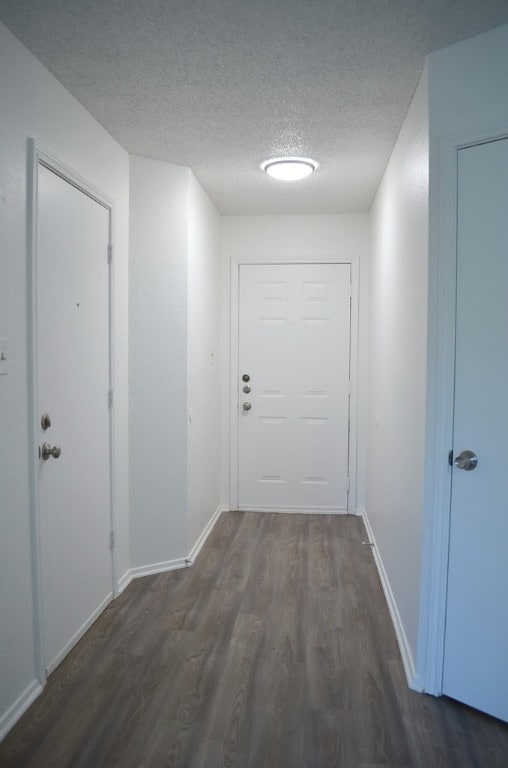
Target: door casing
point(440, 402)
point(234, 373)
point(37, 156)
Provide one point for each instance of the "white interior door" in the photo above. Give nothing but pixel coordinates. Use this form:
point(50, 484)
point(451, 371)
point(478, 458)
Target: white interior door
point(294, 347)
point(476, 638)
point(72, 347)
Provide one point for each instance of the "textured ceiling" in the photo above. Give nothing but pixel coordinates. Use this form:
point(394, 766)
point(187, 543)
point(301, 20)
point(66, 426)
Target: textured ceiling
point(221, 85)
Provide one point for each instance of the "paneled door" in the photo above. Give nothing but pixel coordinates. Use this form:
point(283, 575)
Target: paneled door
point(73, 423)
point(476, 638)
point(294, 386)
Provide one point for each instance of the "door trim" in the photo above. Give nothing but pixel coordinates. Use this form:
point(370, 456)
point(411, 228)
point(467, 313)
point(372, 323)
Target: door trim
point(238, 261)
point(37, 156)
point(440, 399)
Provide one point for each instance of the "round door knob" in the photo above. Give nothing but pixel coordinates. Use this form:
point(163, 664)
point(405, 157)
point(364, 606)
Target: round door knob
point(246, 389)
point(466, 460)
point(47, 450)
point(246, 406)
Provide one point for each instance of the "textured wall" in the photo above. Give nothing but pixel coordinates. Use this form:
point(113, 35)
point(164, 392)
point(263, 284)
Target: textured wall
point(397, 361)
point(35, 105)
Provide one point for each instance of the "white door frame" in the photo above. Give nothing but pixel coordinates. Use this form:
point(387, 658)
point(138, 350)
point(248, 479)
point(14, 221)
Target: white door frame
point(440, 399)
point(40, 156)
point(236, 262)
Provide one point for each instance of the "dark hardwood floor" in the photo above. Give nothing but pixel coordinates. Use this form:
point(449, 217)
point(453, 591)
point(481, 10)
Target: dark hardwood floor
point(275, 650)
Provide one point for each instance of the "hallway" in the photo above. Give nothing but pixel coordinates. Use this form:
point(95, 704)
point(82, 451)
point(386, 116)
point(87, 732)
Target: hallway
point(275, 650)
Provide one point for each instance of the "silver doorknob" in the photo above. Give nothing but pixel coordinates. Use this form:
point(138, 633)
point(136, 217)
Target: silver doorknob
point(47, 450)
point(246, 389)
point(466, 460)
point(246, 406)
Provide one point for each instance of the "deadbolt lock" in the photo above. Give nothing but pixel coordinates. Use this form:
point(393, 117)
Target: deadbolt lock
point(245, 377)
point(45, 421)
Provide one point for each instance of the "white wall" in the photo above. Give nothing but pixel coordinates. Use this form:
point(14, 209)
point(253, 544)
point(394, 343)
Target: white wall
point(283, 237)
point(158, 361)
point(397, 367)
point(35, 105)
point(203, 362)
point(175, 311)
point(467, 86)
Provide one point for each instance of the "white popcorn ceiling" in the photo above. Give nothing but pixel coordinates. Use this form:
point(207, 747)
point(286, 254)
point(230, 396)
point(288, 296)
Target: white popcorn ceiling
point(221, 85)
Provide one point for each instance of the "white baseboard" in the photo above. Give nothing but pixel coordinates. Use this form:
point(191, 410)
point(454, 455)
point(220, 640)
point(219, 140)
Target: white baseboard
point(78, 635)
point(19, 707)
point(196, 549)
point(153, 568)
point(405, 650)
point(418, 684)
point(124, 582)
point(171, 565)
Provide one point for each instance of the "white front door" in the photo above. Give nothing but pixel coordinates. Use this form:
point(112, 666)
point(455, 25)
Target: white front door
point(72, 363)
point(294, 386)
point(476, 638)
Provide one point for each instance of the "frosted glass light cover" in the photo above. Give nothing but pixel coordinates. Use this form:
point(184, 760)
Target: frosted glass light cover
point(289, 168)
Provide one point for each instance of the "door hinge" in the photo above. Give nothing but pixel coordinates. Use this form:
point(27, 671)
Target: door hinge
point(112, 540)
point(110, 253)
point(110, 398)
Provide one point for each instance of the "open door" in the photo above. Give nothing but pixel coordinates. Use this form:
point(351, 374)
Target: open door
point(476, 635)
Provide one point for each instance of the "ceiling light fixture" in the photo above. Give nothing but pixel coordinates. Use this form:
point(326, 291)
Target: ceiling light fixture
point(289, 168)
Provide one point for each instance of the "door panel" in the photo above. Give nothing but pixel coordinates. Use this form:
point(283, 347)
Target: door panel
point(294, 343)
point(476, 639)
point(73, 381)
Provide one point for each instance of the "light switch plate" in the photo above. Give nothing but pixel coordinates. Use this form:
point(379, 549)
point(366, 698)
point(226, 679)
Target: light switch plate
point(4, 357)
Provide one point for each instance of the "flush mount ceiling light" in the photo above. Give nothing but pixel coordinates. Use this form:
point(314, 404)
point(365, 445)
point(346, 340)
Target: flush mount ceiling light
point(289, 168)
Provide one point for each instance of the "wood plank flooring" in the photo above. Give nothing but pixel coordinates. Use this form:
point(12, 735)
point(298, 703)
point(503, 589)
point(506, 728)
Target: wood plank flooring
point(275, 650)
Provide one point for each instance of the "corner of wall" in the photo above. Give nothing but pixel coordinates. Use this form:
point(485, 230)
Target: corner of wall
point(158, 361)
point(204, 366)
point(400, 633)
